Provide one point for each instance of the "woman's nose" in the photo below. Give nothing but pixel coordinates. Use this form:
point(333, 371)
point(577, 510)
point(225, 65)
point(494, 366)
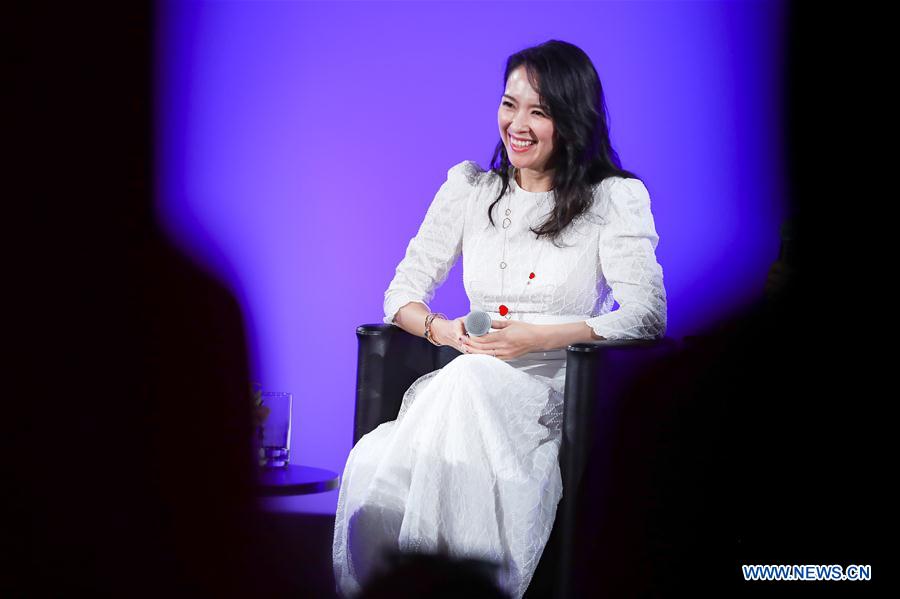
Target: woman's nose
point(519, 123)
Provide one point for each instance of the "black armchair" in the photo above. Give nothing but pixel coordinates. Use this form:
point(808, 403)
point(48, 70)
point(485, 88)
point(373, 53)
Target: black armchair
point(390, 359)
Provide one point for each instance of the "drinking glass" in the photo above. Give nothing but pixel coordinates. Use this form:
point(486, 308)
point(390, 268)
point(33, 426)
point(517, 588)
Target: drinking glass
point(274, 430)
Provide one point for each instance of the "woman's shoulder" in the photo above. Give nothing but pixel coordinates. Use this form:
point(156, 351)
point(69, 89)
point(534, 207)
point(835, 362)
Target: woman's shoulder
point(617, 185)
point(469, 173)
point(607, 183)
point(619, 191)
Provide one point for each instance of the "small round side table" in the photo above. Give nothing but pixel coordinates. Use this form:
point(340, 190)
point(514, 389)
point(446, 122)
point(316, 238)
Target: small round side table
point(295, 480)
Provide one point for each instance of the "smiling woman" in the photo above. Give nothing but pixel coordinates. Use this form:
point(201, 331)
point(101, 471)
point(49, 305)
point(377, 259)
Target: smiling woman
point(550, 236)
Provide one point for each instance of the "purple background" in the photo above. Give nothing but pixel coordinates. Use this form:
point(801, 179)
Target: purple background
point(299, 145)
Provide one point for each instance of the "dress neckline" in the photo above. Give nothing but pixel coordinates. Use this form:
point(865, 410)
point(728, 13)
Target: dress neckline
point(525, 192)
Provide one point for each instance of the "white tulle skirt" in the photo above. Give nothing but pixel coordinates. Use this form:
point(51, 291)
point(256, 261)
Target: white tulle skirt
point(469, 468)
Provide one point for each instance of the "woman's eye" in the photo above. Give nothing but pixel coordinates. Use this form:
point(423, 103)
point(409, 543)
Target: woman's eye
point(537, 112)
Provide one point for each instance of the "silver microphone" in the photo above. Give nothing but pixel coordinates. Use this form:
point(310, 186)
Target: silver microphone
point(478, 323)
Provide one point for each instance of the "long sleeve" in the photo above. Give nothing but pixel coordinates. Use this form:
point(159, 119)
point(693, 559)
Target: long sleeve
point(628, 260)
point(436, 247)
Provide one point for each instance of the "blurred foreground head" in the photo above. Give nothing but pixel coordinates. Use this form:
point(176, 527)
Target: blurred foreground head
point(437, 576)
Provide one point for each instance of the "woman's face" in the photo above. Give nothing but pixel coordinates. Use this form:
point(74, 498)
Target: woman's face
point(522, 117)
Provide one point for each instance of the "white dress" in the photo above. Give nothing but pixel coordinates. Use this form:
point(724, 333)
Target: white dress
point(470, 465)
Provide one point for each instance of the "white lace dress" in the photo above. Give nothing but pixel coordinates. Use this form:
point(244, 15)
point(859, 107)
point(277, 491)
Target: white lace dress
point(470, 465)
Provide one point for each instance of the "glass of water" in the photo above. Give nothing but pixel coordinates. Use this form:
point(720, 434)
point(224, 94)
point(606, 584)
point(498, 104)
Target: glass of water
point(274, 429)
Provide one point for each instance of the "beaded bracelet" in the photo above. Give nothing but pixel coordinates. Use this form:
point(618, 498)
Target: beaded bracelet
point(428, 319)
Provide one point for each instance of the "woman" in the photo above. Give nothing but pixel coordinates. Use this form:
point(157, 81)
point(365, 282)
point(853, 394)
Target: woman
point(550, 236)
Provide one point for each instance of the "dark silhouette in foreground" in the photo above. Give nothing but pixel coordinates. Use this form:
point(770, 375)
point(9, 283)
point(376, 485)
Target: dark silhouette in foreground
point(410, 575)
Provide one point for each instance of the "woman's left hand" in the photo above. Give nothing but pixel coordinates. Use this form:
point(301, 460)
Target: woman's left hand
point(513, 339)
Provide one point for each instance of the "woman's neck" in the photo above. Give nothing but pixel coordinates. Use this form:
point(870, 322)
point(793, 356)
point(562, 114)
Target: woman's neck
point(534, 183)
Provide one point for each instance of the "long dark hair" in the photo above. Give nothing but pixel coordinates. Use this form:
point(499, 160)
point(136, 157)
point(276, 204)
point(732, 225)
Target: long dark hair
point(567, 83)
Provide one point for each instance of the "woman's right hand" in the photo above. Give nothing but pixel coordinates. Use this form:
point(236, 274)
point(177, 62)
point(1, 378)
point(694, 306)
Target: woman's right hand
point(449, 332)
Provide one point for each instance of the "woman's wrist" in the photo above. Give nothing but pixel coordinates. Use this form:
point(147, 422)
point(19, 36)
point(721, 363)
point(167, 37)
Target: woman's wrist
point(429, 321)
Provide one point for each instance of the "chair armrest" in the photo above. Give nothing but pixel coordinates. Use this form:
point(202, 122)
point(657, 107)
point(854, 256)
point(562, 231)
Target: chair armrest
point(389, 360)
point(597, 375)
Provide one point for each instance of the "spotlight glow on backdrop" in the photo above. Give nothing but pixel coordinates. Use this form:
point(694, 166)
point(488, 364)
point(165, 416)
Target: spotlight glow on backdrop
point(300, 144)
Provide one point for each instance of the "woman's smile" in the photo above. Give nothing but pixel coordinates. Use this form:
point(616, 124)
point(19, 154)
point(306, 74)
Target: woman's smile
point(520, 145)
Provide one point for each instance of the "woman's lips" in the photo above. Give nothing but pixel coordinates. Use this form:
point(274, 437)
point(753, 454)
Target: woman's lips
point(516, 148)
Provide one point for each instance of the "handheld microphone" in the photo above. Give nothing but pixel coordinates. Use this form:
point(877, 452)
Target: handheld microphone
point(478, 323)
